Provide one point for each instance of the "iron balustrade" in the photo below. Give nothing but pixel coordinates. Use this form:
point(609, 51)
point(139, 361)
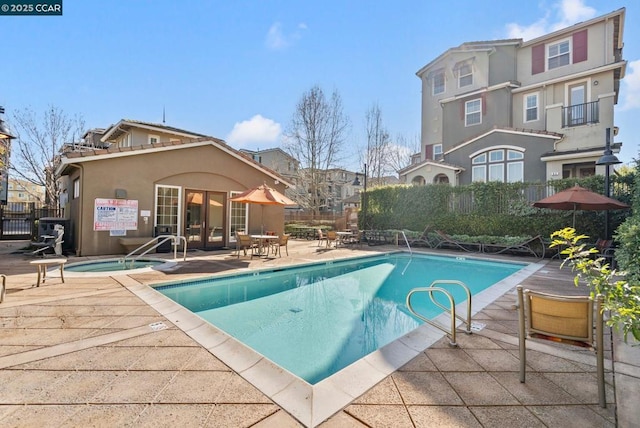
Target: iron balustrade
point(580, 114)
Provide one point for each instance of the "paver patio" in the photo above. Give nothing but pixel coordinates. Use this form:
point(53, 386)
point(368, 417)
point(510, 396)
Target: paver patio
point(90, 352)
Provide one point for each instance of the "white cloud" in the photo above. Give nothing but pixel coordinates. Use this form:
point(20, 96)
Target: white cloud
point(561, 14)
point(631, 83)
point(258, 129)
point(278, 40)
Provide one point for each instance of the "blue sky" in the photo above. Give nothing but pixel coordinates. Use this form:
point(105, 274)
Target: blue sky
point(236, 69)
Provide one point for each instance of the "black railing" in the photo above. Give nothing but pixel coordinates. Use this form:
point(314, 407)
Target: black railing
point(19, 220)
point(580, 114)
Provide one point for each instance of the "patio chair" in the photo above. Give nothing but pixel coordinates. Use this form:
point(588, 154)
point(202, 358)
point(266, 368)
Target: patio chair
point(332, 236)
point(606, 250)
point(568, 319)
point(532, 246)
point(321, 237)
point(276, 245)
point(50, 242)
point(446, 241)
point(356, 237)
point(422, 240)
point(244, 242)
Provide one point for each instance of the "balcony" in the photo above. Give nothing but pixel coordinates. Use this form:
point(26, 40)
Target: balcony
point(580, 114)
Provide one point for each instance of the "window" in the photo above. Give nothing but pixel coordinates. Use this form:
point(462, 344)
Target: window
point(238, 217)
point(473, 112)
point(494, 164)
point(558, 54)
point(153, 139)
point(438, 83)
point(530, 107)
point(76, 188)
point(167, 206)
point(478, 173)
point(465, 75)
point(125, 141)
point(437, 151)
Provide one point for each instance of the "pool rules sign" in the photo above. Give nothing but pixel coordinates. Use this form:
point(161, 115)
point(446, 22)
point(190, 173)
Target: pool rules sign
point(115, 214)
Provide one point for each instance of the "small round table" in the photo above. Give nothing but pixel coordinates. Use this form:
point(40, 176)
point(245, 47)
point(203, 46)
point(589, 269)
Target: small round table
point(42, 264)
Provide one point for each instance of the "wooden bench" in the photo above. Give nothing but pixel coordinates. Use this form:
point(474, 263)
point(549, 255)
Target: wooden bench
point(42, 264)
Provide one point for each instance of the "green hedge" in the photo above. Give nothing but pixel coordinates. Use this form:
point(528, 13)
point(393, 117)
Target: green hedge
point(495, 209)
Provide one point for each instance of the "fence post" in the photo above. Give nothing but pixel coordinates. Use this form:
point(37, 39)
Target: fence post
point(32, 217)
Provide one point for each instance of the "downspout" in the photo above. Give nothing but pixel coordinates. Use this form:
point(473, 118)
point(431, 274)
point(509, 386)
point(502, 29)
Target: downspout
point(80, 210)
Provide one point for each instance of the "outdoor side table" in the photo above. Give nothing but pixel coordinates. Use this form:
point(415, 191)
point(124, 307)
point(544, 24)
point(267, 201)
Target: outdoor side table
point(42, 264)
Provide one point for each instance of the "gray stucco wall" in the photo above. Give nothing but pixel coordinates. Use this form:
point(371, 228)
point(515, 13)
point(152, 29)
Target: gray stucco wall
point(497, 112)
point(533, 146)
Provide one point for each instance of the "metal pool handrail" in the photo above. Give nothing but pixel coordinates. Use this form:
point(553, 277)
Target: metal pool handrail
point(164, 238)
point(4, 287)
point(451, 309)
point(407, 241)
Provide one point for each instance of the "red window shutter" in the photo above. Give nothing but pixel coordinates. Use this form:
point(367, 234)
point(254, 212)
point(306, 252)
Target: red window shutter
point(537, 59)
point(428, 151)
point(484, 104)
point(580, 46)
point(462, 112)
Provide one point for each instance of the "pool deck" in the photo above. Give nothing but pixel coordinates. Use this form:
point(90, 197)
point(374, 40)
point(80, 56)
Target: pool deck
point(101, 351)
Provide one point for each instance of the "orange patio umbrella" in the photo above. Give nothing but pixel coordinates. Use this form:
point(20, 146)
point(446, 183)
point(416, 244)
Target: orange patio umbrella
point(262, 195)
point(579, 198)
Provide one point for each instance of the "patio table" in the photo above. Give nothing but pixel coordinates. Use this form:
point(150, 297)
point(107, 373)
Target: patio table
point(263, 243)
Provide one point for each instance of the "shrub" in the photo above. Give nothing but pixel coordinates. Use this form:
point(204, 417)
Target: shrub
point(621, 296)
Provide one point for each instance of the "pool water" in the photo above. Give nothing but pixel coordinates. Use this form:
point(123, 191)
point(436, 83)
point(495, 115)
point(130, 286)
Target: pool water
point(112, 265)
point(317, 319)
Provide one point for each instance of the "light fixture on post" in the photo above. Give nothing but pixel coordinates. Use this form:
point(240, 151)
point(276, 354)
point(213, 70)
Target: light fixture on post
point(356, 182)
point(607, 159)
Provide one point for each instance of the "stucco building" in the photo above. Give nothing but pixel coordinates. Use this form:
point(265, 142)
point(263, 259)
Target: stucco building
point(510, 110)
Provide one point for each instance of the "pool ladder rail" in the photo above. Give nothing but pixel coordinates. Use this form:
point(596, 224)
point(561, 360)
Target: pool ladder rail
point(451, 332)
point(159, 240)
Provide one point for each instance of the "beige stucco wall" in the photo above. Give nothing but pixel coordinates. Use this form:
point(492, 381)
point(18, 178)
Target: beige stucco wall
point(200, 167)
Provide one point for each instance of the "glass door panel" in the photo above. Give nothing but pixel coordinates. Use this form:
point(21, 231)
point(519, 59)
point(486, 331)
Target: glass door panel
point(215, 219)
point(194, 215)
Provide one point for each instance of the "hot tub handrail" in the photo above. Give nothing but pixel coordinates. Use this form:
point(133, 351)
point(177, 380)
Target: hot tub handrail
point(174, 242)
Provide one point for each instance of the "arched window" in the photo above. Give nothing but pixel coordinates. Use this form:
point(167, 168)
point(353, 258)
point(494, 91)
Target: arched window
point(418, 181)
point(498, 164)
point(441, 179)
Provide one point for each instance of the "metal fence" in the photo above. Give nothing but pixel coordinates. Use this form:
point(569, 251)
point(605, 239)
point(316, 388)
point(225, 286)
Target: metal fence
point(20, 220)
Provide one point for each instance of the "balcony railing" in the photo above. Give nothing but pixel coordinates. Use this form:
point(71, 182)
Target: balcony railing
point(580, 114)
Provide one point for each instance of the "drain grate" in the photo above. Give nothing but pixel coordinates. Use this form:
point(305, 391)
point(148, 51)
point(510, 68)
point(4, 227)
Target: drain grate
point(477, 326)
point(158, 326)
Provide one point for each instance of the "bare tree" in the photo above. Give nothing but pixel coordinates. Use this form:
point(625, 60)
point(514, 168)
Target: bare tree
point(315, 138)
point(36, 149)
point(378, 143)
point(400, 152)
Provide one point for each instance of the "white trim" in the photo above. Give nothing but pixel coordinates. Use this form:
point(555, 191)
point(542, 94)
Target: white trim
point(155, 206)
point(569, 77)
point(559, 42)
point(68, 161)
point(576, 83)
point(479, 91)
point(150, 136)
point(444, 83)
point(525, 107)
point(506, 131)
point(591, 154)
point(432, 163)
point(478, 112)
point(160, 129)
point(574, 28)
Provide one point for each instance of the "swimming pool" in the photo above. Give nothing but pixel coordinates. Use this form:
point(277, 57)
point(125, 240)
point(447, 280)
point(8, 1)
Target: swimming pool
point(318, 319)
